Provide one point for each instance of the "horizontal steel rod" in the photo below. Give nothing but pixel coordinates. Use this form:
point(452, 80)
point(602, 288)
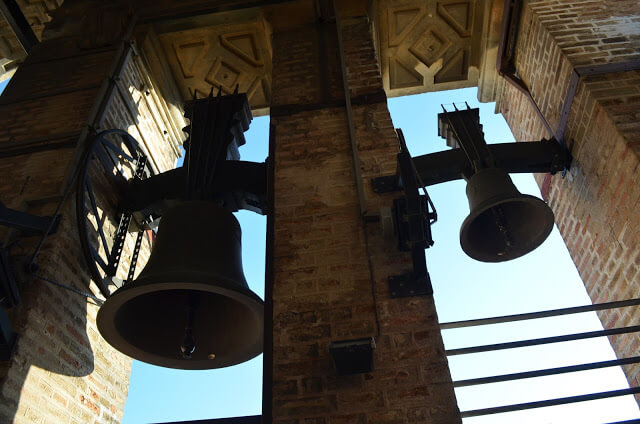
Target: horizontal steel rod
point(253, 419)
point(627, 422)
point(541, 314)
point(544, 340)
point(549, 402)
point(545, 372)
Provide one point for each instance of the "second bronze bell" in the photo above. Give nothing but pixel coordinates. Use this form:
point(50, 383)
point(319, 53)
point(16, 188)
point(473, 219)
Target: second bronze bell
point(503, 223)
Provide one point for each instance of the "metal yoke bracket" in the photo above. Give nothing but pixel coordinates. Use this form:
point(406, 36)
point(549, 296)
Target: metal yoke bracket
point(412, 223)
point(212, 169)
point(27, 223)
point(8, 337)
point(10, 297)
point(463, 132)
point(212, 172)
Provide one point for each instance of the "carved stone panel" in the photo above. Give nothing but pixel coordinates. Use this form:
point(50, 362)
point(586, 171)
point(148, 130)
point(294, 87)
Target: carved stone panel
point(428, 45)
point(223, 56)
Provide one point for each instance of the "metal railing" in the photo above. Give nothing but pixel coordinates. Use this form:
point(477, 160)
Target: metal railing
point(548, 371)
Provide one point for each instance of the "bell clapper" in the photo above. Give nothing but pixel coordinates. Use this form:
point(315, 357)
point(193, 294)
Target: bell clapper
point(498, 213)
point(189, 344)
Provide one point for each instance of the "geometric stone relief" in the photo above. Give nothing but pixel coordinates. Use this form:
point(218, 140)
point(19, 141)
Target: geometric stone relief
point(431, 46)
point(428, 45)
point(455, 68)
point(190, 55)
point(459, 16)
point(403, 76)
point(222, 56)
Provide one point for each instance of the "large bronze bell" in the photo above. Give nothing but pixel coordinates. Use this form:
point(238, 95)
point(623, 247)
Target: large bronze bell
point(503, 224)
point(190, 308)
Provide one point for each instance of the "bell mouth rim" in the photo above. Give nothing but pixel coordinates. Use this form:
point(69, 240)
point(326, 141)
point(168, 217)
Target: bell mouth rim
point(107, 312)
point(498, 200)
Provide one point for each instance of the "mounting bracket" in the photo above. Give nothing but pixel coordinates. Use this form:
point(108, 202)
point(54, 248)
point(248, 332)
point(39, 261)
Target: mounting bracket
point(27, 223)
point(8, 337)
point(412, 223)
point(463, 132)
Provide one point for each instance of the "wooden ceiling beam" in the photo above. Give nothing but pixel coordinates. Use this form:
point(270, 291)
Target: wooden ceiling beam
point(19, 24)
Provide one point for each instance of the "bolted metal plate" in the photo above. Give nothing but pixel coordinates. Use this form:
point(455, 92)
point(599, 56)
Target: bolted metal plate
point(408, 285)
point(353, 356)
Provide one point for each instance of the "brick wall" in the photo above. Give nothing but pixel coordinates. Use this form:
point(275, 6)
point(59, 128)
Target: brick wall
point(62, 370)
point(331, 269)
point(595, 204)
point(563, 35)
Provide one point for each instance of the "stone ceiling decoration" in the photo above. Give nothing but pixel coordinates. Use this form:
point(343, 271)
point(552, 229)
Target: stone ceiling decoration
point(428, 45)
point(222, 56)
point(423, 45)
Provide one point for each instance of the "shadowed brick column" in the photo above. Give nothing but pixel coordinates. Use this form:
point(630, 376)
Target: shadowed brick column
point(62, 370)
point(331, 268)
point(596, 204)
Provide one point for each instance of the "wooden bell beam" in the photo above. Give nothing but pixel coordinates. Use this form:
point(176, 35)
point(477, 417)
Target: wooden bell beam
point(19, 24)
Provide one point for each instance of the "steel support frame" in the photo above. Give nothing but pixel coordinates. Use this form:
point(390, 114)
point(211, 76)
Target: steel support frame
point(549, 402)
point(247, 181)
point(449, 165)
point(7, 336)
point(543, 340)
point(412, 221)
point(548, 371)
point(212, 169)
point(252, 419)
point(540, 314)
point(27, 223)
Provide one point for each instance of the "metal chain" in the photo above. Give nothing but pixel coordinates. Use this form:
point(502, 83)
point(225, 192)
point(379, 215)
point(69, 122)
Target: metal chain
point(403, 145)
point(72, 289)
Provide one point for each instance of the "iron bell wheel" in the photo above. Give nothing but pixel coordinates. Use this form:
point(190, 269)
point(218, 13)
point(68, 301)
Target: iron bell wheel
point(191, 307)
point(503, 224)
point(113, 157)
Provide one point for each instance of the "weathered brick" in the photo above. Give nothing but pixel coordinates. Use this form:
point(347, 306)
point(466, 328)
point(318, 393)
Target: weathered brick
point(62, 370)
point(595, 206)
point(320, 244)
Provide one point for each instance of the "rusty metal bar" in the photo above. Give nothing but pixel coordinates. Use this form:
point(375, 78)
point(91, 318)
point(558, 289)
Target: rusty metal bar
point(253, 419)
point(350, 122)
point(566, 107)
point(541, 341)
point(545, 372)
point(541, 314)
point(549, 402)
point(588, 70)
point(506, 49)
